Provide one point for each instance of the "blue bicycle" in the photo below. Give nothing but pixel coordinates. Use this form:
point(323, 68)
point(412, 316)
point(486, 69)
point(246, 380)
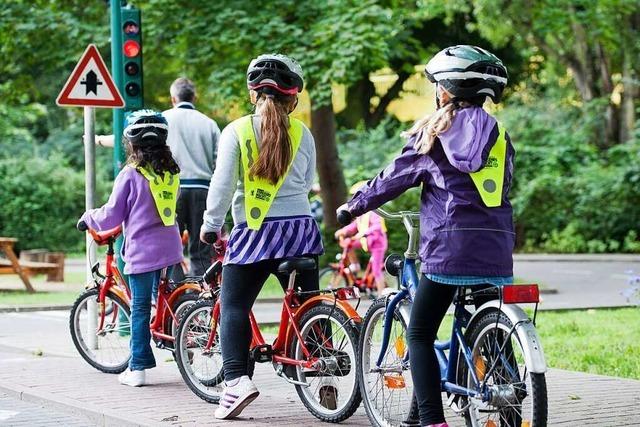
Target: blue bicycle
point(492, 367)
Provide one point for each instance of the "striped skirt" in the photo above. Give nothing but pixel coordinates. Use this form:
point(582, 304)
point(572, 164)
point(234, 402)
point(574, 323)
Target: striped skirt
point(280, 237)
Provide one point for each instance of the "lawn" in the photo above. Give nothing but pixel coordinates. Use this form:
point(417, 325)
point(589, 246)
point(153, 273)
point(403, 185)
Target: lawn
point(20, 298)
point(603, 341)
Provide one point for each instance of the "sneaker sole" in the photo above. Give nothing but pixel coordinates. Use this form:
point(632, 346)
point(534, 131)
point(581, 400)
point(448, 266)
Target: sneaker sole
point(241, 405)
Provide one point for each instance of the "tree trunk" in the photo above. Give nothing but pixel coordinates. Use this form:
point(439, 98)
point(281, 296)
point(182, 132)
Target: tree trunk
point(631, 88)
point(332, 186)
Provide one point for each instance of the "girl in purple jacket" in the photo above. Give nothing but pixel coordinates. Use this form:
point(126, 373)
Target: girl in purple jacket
point(144, 201)
point(463, 159)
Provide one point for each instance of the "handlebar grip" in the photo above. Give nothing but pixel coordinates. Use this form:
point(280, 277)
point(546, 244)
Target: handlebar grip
point(210, 237)
point(344, 217)
point(82, 226)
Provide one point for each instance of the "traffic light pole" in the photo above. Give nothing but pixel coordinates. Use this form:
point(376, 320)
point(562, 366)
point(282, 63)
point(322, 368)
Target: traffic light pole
point(118, 113)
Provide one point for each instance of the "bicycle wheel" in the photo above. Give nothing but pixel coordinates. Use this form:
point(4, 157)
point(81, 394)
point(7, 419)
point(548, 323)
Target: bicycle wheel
point(518, 397)
point(181, 303)
point(201, 368)
point(332, 393)
point(107, 349)
point(330, 277)
point(387, 390)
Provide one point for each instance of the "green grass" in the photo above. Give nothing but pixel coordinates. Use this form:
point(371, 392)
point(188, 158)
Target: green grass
point(603, 341)
point(22, 298)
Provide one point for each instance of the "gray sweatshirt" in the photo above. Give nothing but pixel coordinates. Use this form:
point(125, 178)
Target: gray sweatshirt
point(227, 182)
point(193, 138)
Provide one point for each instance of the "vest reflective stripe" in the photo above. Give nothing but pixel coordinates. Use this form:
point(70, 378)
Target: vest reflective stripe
point(259, 193)
point(489, 180)
point(164, 192)
point(363, 223)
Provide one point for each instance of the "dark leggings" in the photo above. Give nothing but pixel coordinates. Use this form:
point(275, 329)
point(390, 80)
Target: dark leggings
point(430, 304)
point(241, 285)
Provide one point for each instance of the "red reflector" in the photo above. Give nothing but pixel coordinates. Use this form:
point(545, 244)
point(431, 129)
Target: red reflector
point(347, 293)
point(131, 48)
point(513, 294)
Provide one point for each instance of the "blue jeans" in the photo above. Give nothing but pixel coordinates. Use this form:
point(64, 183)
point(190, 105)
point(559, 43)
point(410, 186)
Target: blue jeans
point(142, 286)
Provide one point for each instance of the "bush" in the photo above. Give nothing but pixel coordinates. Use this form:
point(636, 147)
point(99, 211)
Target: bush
point(41, 201)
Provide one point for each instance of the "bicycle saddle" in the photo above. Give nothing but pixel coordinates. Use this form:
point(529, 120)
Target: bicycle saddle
point(296, 264)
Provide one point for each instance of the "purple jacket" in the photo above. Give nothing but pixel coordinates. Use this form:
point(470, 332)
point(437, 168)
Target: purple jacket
point(149, 245)
point(459, 234)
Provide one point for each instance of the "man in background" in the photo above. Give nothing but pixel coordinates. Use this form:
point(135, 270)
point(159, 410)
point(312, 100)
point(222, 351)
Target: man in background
point(193, 139)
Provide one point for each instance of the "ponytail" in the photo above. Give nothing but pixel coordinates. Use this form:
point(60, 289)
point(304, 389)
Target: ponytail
point(434, 124)
point(275, 148)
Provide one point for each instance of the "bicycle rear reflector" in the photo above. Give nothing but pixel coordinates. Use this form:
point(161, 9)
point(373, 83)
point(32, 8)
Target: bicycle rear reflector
point(350, 292)
point(514, 294)
point(394, 381)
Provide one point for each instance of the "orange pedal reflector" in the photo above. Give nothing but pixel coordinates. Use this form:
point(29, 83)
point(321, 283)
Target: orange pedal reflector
point(400, 346)
point(394, 381)
point(480, 366)
point(526, 424)
point(490, 423)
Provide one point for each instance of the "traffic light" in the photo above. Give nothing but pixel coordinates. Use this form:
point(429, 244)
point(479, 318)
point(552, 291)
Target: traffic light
point(132, 58)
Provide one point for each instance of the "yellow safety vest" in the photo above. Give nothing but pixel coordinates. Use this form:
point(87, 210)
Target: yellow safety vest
point(165, 193)
point(259, 193)
point(490, 179)
point(363, 225)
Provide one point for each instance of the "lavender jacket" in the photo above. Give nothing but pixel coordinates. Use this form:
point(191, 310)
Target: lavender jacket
point(459, 234)
point(149, 245)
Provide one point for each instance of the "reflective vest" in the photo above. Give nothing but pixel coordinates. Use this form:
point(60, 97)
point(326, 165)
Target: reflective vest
point(165, 193)
point(490, 179)
point(259, 193)
point(363, 226)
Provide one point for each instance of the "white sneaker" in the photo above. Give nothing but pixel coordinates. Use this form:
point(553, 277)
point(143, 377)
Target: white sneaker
point(237, 394)
point(132, 378)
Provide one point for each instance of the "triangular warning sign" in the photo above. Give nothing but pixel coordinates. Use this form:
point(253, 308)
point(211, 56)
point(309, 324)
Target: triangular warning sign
point(90, 84)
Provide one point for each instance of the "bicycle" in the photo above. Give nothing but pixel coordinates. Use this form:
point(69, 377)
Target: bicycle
point(100, 332)
point(340, 273)
point(315, 349)
point(492, 367)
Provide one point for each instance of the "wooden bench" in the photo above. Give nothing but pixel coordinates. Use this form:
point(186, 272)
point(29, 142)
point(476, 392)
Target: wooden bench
point(24, 269)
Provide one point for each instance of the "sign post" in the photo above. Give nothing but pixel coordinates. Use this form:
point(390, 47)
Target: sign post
point(89, 86)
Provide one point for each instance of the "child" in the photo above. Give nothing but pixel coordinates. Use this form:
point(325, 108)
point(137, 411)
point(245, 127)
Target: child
point(368, 233)
point(266, 165)
point(464, 161)
point(144, 200)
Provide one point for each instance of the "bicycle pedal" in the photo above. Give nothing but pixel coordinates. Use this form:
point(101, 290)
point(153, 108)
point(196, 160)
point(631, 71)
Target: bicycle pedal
point(262, 353)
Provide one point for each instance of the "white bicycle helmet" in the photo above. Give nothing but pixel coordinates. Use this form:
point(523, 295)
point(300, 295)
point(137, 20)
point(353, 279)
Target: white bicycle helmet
point(467, 71)
point(277, 72)
point(146, 127)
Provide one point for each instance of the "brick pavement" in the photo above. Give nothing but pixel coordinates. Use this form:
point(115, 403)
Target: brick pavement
point(14, 413)
point(576, 399)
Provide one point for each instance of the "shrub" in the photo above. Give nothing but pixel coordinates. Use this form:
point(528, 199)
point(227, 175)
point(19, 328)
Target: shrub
point(41, 201)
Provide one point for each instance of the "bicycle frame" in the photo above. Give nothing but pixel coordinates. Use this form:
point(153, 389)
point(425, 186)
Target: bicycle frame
point(114, 282)
point(367, 280)
point(290, 315)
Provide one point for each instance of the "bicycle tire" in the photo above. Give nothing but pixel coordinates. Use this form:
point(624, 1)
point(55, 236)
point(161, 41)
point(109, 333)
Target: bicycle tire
point(204, 389)
point(78, 341)
point(327, 277)
point(377, 415)
point(181, 304)
point(351, 330)
point(537, 410)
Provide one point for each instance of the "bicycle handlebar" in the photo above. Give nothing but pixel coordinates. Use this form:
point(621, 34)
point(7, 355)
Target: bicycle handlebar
point(210, 237)
point(82, 226)
point(344, 217)
point(397, 215)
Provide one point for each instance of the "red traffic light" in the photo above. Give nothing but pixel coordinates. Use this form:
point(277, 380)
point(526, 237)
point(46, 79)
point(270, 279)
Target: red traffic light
point(131, 48)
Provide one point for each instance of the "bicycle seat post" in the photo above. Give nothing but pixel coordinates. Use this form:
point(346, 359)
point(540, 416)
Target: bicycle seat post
point(292, 280)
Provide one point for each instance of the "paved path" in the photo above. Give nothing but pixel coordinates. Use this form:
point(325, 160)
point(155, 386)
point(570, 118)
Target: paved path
point(14, 412)
point(60, 381)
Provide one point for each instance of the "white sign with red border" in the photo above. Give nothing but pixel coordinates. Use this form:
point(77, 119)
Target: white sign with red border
point(90, 84)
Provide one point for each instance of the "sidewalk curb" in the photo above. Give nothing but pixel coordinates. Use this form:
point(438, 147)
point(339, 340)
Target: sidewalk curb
point(101, 417)
point(30, 308)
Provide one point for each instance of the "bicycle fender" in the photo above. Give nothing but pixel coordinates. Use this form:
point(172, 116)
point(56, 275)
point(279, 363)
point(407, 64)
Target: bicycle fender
point(351, 313)
point(193, 286)
point(120, 293)
point(527, 334)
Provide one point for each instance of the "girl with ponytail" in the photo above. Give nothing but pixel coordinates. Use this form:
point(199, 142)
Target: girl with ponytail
point(466, 222)
point(265, 169)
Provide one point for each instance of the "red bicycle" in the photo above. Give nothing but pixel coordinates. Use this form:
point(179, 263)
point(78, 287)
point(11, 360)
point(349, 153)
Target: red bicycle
point(315, 348)
point(341, 274)
point(101, 317)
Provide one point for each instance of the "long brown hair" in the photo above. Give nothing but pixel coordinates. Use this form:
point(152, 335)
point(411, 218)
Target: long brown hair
point(275, 148)
point(157, 156)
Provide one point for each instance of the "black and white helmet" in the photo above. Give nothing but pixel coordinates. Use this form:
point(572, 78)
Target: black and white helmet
point(275, 71)
point(146, 127)
point(468, 71)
